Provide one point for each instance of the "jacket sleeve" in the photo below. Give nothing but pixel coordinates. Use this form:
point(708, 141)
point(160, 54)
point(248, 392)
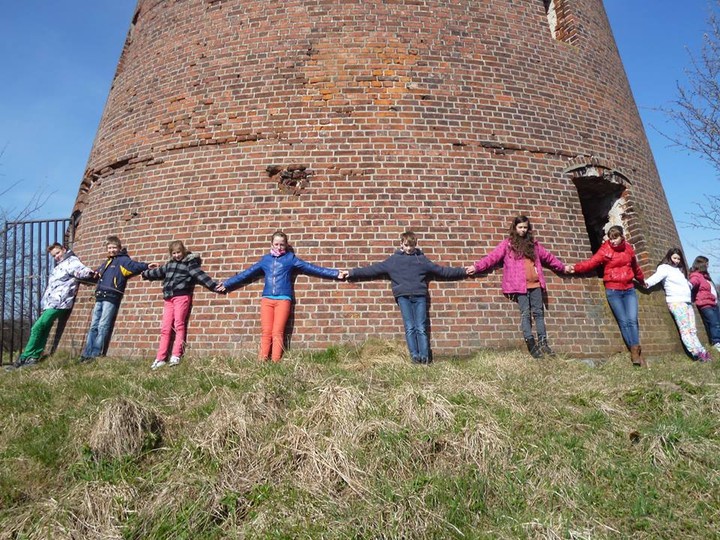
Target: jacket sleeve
point(155, 274)
point(657, 277)
point(311, 269)
point(197, 273)
point(592, 263)
point(246, 275)
point(695, 281)
point(447, 272)
point(371, 271)
point(133, 268)
point(78, 270)
point(548, 259)
point(494, 258)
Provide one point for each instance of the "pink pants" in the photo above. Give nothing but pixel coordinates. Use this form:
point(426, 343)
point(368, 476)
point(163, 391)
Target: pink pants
point(175, 315)
point(274, 315)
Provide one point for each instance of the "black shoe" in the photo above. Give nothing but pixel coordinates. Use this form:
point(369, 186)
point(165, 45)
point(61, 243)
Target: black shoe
point(533, 348)
point(544, 347)
point(85, 359)
point(416, 360)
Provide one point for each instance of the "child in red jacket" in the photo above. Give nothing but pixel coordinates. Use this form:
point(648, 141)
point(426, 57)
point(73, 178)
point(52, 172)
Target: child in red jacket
point(621, 271)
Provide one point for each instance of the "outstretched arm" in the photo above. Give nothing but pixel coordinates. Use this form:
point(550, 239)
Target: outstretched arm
point(548, 259)
point(154, 274)
point(492, 259)
point(371, 271)
point(318, 271)
point(243, 277)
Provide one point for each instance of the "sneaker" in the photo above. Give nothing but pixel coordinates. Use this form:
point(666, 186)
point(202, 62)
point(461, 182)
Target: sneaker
point(174, 360)
point(157, 364)
point(703, 356)
point(85, 359)
point(717, 347)
point(416, 360)
point(27, 362)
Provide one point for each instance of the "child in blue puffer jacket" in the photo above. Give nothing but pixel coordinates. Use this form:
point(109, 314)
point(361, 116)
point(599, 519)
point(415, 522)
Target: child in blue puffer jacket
point(279, 267)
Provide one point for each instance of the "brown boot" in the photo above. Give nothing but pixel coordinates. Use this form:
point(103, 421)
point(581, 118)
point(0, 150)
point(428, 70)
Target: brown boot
point(637, 357)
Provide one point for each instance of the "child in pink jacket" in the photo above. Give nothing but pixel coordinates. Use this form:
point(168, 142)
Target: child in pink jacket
point(522, 259)
point(705, 296)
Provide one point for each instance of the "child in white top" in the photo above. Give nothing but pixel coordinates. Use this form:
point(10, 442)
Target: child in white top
point(672, 272)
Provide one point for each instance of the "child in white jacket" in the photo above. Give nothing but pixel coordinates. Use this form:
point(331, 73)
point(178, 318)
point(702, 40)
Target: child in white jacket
point(672, 272)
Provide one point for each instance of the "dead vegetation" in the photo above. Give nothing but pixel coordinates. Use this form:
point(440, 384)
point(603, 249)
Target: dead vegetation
point(124, 428)
point(367, 446)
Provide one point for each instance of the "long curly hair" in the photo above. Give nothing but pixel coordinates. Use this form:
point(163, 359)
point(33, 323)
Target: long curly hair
point(522, 245)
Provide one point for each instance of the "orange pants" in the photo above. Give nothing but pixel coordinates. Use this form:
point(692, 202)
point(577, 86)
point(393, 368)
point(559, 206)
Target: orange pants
point(274, 315)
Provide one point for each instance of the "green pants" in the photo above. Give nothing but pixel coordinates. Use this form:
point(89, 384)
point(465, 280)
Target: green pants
point(40, 332)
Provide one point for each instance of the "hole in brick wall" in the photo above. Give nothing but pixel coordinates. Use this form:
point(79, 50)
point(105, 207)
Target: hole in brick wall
point(602, 205)
point(551, 16)
point(292, 179)
point(561, 20)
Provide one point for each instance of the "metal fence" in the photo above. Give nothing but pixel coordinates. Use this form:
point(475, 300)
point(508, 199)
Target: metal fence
point(24, 272)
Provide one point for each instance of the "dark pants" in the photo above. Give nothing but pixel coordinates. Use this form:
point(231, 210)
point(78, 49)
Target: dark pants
point(531, 307)
point(414, 314)
point(711, 319)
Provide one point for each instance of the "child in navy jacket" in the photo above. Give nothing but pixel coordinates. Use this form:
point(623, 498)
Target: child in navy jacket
point(409, 270)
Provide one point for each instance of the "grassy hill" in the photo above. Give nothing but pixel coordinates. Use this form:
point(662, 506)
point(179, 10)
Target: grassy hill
point(358, 443)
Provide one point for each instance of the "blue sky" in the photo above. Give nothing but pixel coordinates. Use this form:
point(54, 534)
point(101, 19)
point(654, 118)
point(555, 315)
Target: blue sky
point(59, 57)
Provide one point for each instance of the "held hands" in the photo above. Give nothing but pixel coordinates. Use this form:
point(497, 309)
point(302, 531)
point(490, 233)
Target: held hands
point(343, 274)
point(470, 270)
point(153, 266)
point(569, 269)
point(220, 289)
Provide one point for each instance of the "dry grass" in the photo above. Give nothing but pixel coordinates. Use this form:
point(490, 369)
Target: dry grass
point(124, 428)
point(364, 445)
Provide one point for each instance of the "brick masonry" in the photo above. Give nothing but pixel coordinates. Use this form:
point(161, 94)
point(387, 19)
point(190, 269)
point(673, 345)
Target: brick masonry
point(346, 123)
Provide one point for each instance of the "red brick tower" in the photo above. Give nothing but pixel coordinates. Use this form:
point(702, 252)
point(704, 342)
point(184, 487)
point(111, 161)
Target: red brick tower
point(347, 123)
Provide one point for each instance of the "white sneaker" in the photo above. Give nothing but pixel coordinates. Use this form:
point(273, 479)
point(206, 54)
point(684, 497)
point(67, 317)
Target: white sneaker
point(158, 364)
point(174, 360)
point(717, 347)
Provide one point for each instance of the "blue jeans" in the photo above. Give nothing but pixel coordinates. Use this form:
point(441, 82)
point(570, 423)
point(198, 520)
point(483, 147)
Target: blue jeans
point(624, 305)
point(414, 314)
point(103, 320)
point(711, 319)
point(531, 307)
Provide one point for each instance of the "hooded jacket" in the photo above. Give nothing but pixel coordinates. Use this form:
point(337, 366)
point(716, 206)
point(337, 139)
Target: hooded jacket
point(408, 273)
point(702, 290)
point(620, 266)
point(279, 271)
point(63, 283)
point(179, 277)
point(514, 280)
point(114, 274)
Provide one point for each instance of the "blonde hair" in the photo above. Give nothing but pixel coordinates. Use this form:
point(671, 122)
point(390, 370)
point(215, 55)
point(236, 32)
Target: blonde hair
point(177, 245)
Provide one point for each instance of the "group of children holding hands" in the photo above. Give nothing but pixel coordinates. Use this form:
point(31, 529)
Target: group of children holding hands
point(408, 269)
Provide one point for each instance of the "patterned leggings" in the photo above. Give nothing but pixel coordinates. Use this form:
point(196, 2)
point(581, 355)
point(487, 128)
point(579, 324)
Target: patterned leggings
point(685, 319)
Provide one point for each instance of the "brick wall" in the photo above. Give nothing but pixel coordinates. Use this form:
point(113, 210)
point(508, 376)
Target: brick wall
point(445, 117)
